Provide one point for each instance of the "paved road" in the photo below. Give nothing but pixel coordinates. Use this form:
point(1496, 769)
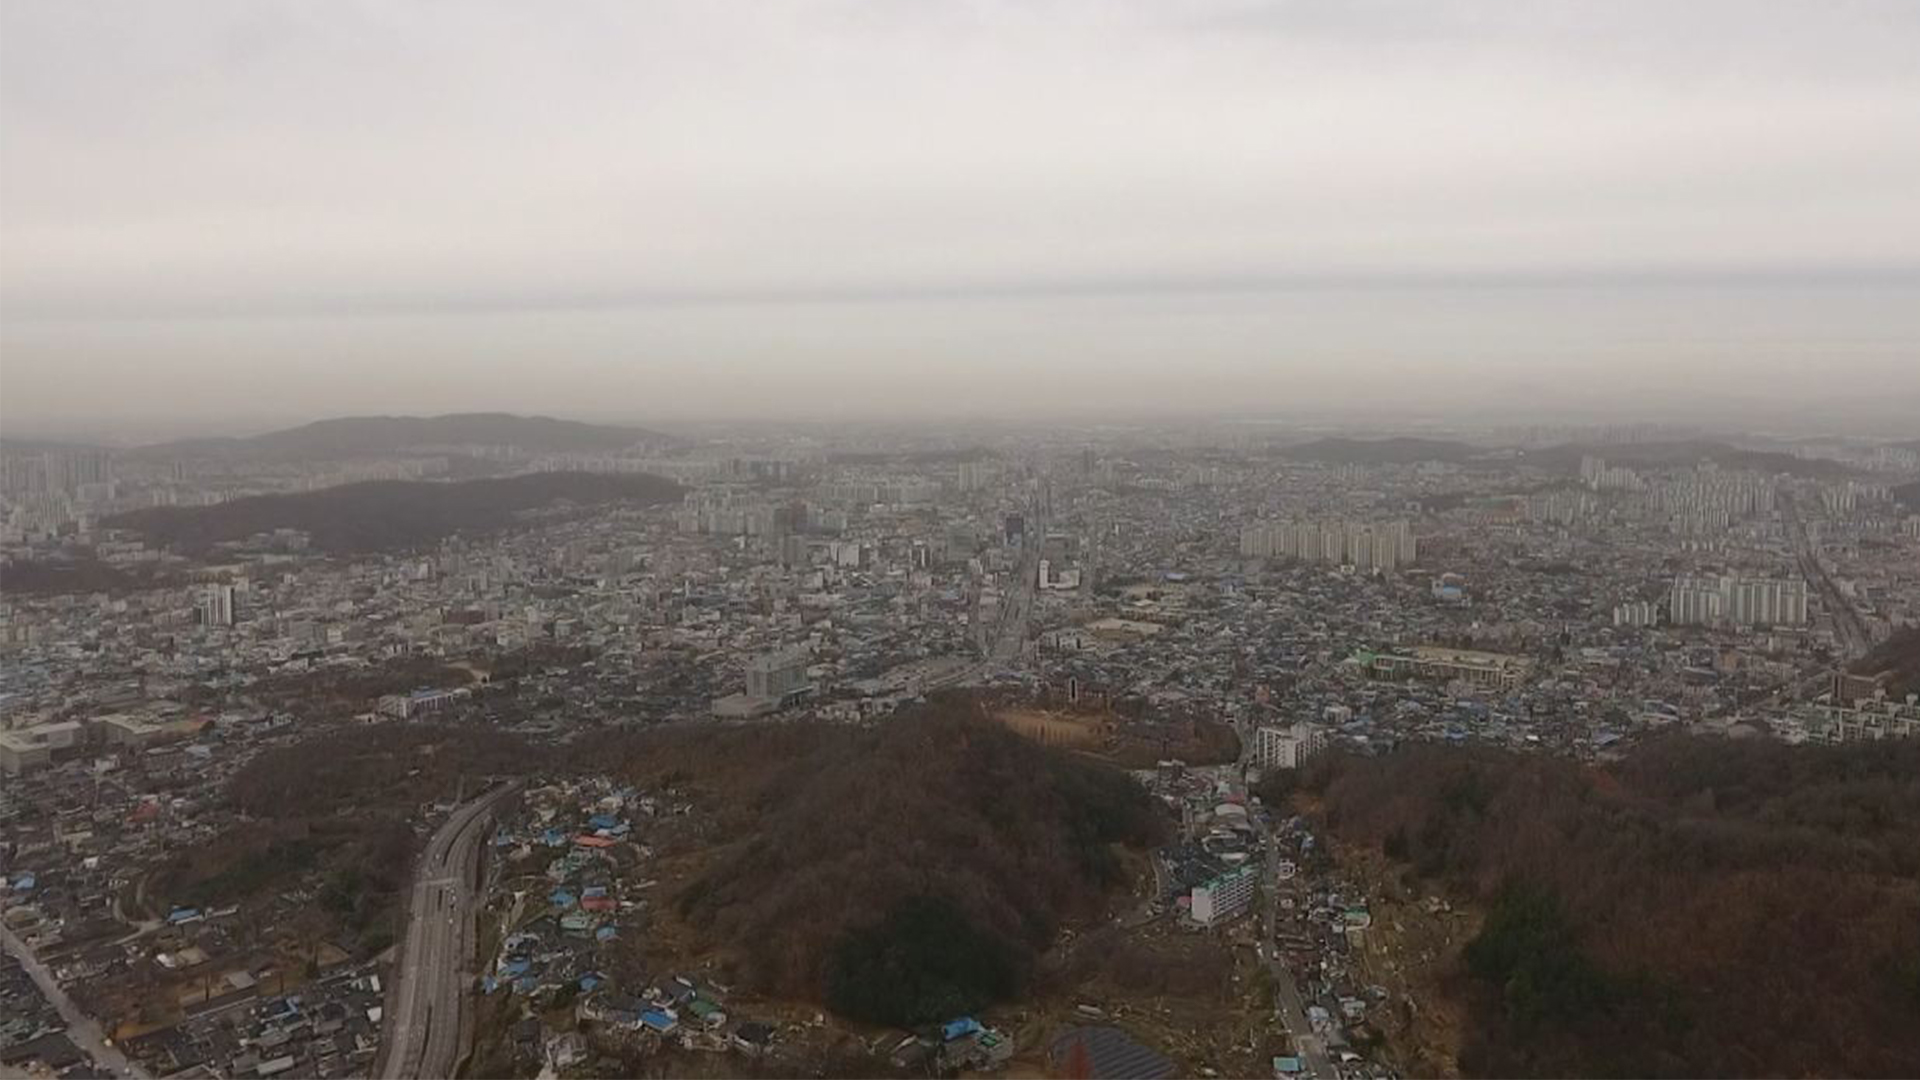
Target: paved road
point(1286, 991)
point(1010, 633)
point(430, 984)
point(81, 1028)
point(1852, 631)
point(1020, 600)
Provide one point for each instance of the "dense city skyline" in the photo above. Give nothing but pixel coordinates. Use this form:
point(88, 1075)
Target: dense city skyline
point(1068, 750)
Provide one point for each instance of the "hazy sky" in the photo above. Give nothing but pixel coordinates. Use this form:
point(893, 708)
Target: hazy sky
point(230, 212)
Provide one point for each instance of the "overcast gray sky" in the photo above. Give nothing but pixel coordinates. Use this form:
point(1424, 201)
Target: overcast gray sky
point(228, 211)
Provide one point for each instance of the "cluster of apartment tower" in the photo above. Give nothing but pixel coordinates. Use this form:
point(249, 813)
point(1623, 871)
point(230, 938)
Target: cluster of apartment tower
point(1713, 600)
point(1722, 600)
point(1363, 545)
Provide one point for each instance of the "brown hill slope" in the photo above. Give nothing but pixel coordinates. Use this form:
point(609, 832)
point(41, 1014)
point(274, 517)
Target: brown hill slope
point(1704, 908)
point(1898, 654)
point(362, 436)
point(908, 872)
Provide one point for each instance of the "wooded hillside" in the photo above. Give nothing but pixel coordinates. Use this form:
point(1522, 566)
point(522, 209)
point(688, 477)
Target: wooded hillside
point(385, 515)
point(1704, 908)
point(910, 872)
point(365, 436)
point(1899, 654)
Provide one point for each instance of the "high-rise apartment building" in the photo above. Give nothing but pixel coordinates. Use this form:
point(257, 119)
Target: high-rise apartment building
point(216, 606)
point(1223, 897)
point(1694, 601)
point(1732, 600)
point(1364, 545)
point(974, 475)
point(1636, 613)
point(1287, 747)
point(773, 676)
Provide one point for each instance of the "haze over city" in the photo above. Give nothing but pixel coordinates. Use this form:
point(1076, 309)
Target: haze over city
point(227, 216)
point(880, 538)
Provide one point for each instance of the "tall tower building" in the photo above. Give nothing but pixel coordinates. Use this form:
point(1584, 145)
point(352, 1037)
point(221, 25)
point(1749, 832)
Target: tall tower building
point(216, 606)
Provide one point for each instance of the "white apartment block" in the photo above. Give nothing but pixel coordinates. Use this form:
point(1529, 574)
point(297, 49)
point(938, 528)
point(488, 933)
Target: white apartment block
point(1737, 601)
point(1287, 747)
point(1364, 545)
point(1878, 718)
point(1223, 897)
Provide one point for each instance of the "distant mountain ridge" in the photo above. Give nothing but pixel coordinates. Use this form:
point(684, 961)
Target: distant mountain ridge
point(1392, 451)
point(9, 445)
point(1680, 452)
point(361, 436)
point(384, 515)
point(1564, 458)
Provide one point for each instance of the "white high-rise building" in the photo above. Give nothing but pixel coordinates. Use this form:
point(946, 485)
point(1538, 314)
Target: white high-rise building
point(1766, 601)
point(1287, 747)
point(216, 606)
point(1367, 546)
point(1737, 601)
point(1592, 469)
point(1223, 897)
point(1694, 601)
point(776, 675)
point(1637, 613)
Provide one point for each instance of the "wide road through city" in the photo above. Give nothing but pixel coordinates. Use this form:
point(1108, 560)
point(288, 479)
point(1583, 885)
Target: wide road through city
point(430, 983)
point(1848, 627)
point(1015, 620)
point(1018, 616)
point(82, 1031)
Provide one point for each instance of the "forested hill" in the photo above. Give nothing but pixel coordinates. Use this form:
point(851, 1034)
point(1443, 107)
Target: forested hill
point(1704, 908)
point(386, 515)
point(360, 436)
point(906, 873)
point(1898, 657)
